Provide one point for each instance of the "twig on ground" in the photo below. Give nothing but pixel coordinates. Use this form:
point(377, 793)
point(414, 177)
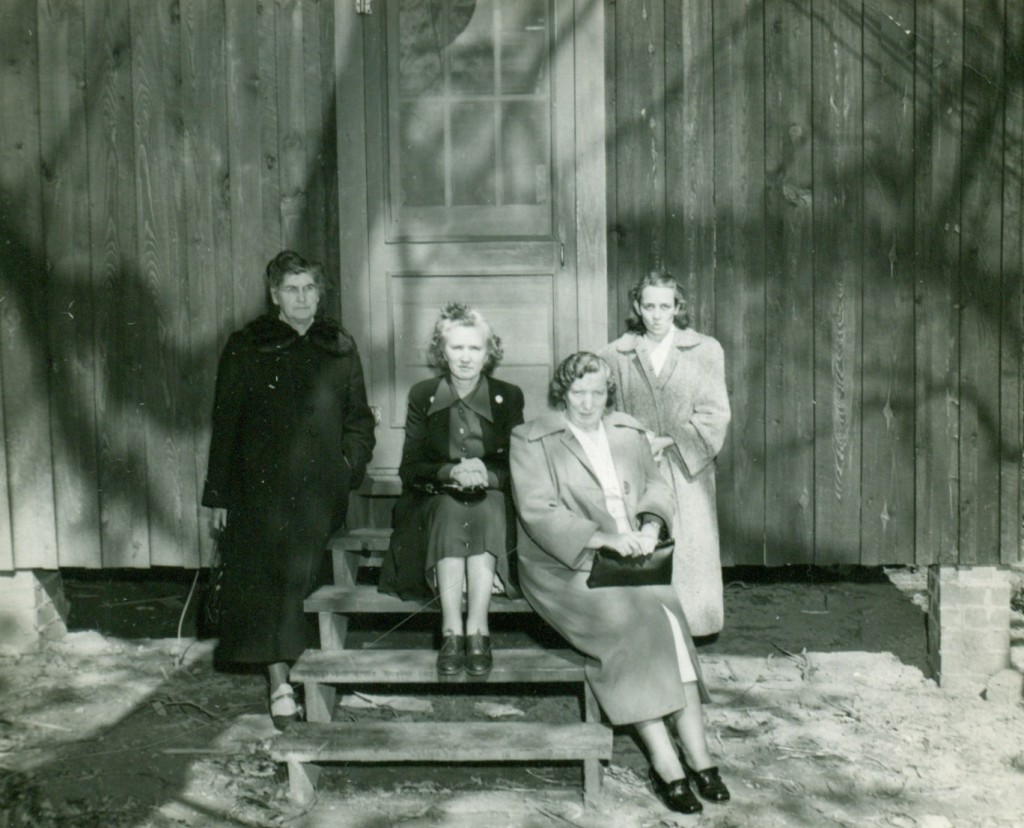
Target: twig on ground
point(802, 660)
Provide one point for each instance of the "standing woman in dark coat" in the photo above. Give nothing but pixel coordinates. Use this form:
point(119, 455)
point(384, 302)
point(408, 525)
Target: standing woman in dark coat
point(292, 434)
point(454, 524)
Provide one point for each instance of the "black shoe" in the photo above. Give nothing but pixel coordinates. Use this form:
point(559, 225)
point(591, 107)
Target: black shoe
point(709, 784)
point(478, 654)
point(452, 657)
point(676, 795)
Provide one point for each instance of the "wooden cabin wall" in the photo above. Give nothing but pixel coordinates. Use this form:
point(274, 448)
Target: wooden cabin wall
point(154, 154)
point(838, 185)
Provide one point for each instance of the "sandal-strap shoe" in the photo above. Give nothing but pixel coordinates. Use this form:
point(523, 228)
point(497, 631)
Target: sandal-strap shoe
point(676, 795)
point(708, 783)
point(283, 708)
point(478, 654)
point(451, 659)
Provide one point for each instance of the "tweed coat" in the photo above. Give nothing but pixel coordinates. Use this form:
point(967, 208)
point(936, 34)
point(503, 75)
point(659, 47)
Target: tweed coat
point(688, 402)
point(292, 435)
point(625, 632)
point(424, 458)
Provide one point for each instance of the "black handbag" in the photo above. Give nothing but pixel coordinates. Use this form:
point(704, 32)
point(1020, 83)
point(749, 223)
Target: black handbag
point(613, 570)
point(213, 606)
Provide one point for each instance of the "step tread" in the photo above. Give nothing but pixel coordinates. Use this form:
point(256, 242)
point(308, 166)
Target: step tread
point(441, 741)
point(420, 667)
point(370, 538)
point(365, 598)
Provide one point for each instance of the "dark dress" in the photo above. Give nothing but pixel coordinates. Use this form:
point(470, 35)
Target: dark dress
point(292, 435)
point(427, 523)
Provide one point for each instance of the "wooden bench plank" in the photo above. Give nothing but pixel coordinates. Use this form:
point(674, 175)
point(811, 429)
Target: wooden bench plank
point(364, 598)
point(441, 742)
point(420, 667)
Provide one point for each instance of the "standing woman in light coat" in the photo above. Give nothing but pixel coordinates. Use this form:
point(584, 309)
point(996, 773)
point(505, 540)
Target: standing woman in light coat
point(672, 379)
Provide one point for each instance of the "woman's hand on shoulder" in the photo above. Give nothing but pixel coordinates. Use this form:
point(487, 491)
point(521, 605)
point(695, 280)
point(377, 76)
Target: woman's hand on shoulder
point(658, 444)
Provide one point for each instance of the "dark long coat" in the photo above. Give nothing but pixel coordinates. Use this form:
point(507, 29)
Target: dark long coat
point(424, 453)
point(292, 434)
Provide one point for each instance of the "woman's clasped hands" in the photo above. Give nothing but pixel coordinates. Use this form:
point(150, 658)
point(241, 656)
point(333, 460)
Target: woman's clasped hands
point(470, 473)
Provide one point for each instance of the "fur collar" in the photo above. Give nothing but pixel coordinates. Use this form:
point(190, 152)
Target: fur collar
point(270, 334)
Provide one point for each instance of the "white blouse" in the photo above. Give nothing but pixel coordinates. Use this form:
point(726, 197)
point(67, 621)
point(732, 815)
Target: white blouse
point(659, 353)
point(599, 453)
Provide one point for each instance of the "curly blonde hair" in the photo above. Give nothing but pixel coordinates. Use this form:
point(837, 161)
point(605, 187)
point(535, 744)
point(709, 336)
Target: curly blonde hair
point(460, 314)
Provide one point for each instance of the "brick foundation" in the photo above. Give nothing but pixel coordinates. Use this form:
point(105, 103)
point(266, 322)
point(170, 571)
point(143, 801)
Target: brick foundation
point(968, 625)
point(32, 609)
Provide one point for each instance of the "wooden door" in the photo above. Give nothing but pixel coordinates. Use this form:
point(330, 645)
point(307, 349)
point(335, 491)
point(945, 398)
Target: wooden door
point(475, 153)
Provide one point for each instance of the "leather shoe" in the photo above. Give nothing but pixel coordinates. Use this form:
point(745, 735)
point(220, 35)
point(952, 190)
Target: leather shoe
point(478, 654)
point(452, 657)
point(676, 795)
point(708, 783)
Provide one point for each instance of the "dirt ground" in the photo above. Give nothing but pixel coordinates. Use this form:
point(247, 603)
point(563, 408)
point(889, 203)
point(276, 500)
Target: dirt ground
point(823, 716)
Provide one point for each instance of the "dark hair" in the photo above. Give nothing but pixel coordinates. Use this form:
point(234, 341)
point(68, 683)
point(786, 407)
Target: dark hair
point(289, 263)
point(576, 367)
point(657, 278)
point(460, 314)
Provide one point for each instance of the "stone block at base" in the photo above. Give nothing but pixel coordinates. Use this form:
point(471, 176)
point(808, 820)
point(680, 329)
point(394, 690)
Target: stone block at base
point(32, 609)
point(968, 625)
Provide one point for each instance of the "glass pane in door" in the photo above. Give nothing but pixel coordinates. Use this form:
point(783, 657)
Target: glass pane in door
point(469, 118)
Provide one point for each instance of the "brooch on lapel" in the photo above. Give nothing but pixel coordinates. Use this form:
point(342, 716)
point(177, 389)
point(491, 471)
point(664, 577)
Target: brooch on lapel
point(498, 398)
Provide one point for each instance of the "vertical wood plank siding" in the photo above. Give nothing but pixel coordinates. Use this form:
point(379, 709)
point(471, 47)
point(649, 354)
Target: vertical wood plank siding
point(887, 366)
point(739, 179)
point(24, 323)
point(838, 184)
point(860, 254)
point(143, 189)
point(789, 294)
point(1011, 302)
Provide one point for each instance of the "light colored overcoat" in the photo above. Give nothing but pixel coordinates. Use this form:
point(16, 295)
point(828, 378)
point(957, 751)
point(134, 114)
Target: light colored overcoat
point(688, 402)
point(633, 665)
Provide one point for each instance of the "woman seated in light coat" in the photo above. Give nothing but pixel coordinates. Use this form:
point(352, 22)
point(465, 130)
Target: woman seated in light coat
point(584, 478)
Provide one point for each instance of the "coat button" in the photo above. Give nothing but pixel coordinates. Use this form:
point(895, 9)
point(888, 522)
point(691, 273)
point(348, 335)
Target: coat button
point(625, 487)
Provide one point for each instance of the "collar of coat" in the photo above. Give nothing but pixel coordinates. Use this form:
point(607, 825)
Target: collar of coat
point(478, 401)
point(270, 334)
point(681, 338)
point(554, 421)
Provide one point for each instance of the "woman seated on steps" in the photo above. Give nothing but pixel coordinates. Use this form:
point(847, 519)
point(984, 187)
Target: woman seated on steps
point(585, 478)
point(454, 523)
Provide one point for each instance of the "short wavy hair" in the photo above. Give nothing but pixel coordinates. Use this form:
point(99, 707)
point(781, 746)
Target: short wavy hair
point(657, 278)
point(290, 263)
point(459, 314)
point(576, 367)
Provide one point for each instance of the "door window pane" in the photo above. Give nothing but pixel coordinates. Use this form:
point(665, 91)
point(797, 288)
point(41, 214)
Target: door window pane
point(474, 176)
point(469, 116)
point(422, 128)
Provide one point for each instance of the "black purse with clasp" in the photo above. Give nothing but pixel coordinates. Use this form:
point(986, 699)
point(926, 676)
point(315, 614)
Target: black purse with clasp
point(614, 570)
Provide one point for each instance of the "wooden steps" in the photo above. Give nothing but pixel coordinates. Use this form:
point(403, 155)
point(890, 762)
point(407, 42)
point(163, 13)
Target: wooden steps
point(322, 671)
point(442, 742)
point(364, 598)
point(420, 667)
